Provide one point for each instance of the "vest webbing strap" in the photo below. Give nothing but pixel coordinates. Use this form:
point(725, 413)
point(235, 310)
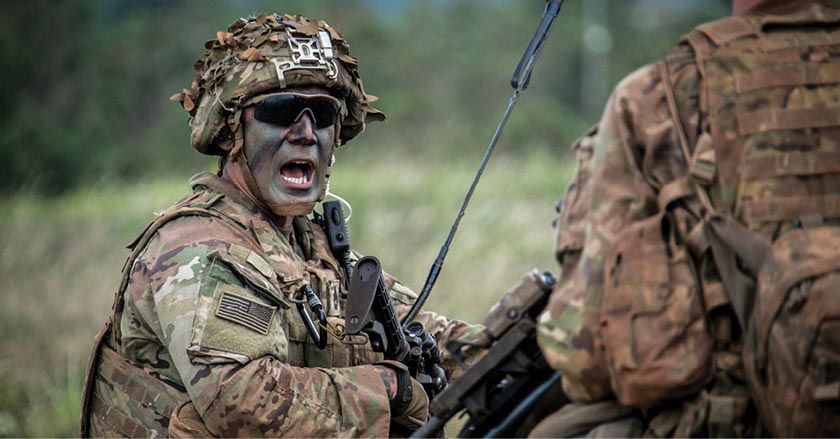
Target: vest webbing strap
point(787, 119)
point(789, 164)
point(112, 422)
point(788, 75)
point(787, 208)
point(135, 384)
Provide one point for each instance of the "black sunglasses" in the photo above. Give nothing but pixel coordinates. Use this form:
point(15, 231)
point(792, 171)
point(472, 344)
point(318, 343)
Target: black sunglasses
point(286, 109)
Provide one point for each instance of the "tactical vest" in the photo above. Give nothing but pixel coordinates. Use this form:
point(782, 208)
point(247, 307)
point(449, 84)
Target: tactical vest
point(766, 168)
point(123, 398)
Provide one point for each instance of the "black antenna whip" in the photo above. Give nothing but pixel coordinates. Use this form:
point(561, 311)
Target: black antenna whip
point(519, 82)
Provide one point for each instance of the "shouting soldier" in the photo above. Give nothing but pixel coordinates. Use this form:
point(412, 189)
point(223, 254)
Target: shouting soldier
point(205, 330)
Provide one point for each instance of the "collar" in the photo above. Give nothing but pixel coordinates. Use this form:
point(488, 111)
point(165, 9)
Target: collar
point(298, 238)
point(226, 188)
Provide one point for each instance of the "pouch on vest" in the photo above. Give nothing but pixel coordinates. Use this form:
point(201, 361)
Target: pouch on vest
point(652, 319)
point(792, 347)
point(303, 352)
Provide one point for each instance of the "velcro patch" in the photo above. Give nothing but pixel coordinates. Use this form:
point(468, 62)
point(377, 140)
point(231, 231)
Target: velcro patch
point(245, 312)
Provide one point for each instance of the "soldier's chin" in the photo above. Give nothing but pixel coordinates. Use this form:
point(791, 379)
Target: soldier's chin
point(292, 209)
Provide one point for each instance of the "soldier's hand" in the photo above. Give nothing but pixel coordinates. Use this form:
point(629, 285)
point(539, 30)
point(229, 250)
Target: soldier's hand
point(415, 414)
point(409, 402)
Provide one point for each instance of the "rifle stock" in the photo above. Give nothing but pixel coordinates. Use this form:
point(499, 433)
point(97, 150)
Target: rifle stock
point(370, 310)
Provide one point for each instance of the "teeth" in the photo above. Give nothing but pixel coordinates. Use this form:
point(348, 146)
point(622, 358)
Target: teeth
point(296, 180)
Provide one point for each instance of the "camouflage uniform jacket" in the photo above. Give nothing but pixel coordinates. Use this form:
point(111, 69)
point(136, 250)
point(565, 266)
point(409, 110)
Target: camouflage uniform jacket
point(208, 312)
point(622, 170)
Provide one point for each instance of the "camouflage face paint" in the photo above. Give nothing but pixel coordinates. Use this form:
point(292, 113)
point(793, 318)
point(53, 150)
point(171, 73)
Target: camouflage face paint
point(289, 163)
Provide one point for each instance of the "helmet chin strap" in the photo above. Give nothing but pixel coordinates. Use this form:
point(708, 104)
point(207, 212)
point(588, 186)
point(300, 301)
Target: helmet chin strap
point(327, 193)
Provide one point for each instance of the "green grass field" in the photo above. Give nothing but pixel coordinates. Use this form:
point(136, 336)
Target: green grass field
point(61, 259)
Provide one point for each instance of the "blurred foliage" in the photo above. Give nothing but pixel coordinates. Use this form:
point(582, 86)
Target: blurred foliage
point(87, 81)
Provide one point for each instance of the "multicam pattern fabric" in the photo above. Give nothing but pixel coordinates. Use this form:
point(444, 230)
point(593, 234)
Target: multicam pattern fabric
point(772, 110)
point(255, 56)
point(637, 157)
point(567, 300)
point(792, 348)
point(241, 380)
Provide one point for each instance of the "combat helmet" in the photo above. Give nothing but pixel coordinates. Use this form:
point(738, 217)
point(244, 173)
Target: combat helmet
point(264, 54)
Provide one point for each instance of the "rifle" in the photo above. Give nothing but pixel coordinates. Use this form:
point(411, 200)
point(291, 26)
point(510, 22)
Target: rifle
point(508, 382)
point(370, 311)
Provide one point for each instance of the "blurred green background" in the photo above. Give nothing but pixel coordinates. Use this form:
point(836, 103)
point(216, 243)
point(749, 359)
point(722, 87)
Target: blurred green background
point(92, 147)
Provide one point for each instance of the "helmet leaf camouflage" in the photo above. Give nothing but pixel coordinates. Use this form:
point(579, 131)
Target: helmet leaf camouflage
point(263, 55)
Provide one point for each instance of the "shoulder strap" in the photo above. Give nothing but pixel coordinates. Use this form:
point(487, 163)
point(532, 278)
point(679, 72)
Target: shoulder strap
point(90, 377)
point(728, 239)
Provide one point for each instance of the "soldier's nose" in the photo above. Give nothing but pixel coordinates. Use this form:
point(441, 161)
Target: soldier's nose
point(303, 131)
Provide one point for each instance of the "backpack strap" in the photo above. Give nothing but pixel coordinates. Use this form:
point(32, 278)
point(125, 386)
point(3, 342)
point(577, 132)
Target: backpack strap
point(730, 243)
point(727, 239)
point(681, 135)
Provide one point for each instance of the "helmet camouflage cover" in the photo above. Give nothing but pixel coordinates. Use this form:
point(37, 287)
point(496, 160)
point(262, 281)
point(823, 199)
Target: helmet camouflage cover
point(263, 55)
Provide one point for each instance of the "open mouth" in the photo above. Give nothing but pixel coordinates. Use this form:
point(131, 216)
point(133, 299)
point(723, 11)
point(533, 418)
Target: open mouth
point(297, 174)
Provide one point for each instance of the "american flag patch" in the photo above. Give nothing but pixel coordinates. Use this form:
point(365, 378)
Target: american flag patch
point(245, 312)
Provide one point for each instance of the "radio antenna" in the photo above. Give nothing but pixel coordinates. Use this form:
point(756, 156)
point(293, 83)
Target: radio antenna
point(519, 82)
